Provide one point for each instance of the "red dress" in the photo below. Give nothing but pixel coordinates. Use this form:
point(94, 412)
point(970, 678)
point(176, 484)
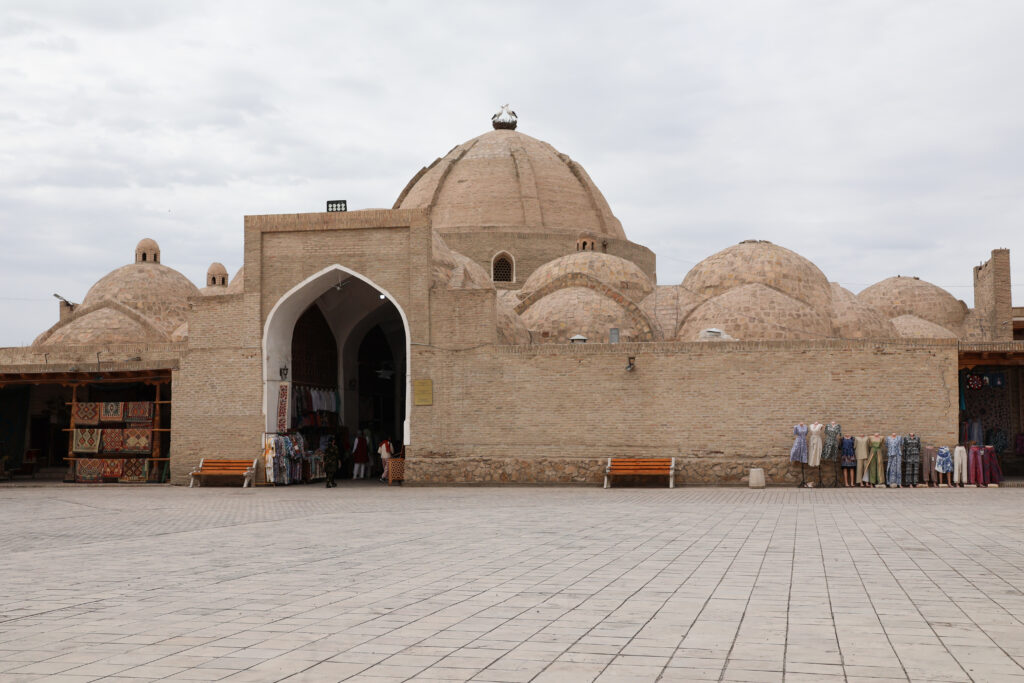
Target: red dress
point(360, 455)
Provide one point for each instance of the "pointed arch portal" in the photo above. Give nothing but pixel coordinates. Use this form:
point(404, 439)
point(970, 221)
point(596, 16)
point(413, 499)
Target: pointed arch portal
point(355, 309)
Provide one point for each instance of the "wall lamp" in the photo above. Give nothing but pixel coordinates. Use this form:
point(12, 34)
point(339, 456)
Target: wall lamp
point(284, 372)
point(631, 364)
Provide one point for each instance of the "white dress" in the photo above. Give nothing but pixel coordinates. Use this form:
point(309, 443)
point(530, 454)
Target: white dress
point(814, 444)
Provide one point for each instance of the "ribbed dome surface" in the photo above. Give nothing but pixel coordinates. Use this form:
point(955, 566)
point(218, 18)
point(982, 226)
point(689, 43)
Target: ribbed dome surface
point(103, 326)
point(755, 311)
point(668, 306)
point(510, 181)
point(158, 293)
point(618, 273)
point(898, 296)
point(853, 319)
point(764, 263)
point(579, 310)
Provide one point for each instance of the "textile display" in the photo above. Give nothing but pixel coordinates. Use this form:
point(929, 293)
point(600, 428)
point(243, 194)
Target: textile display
point(943, 461)
point(283, 394)
point(85, 413)
point(798, 453)
point(138, 440)
point(112, 411)
point(138, 411)
point(286, 460)
point(133, 469)
point(89, 470)
point(86, 440)
point(111, 468)
point(113, 441)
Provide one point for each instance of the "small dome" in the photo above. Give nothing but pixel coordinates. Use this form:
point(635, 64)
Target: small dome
point(103, 326)
point(154, 291)
point(621, 275)
point(147, 251)
point(509, 181)
point(898, 296)
point(216, 275)
point(668, 305)
point(756, 312)
point(918, 328)
point(237, 285)
point(580, 310)
point(764, 263)
point(853, 319)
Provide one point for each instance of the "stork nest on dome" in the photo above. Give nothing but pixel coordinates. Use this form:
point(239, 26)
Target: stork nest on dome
point(505, 119)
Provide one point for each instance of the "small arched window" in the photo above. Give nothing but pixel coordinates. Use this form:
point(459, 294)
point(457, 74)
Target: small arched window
point(143, 256)
point(501, 269)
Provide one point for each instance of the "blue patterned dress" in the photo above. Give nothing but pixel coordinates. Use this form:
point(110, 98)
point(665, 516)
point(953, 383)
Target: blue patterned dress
point(943, 460)
point(798, 453)
point(849, 454)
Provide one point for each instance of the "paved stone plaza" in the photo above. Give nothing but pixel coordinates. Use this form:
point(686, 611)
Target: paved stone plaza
point(510, 584)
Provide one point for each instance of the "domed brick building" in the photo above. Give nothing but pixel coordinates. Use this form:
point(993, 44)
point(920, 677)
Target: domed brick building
point(500, 325)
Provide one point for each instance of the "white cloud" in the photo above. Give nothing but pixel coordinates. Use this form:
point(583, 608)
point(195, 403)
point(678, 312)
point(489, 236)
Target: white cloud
point(873, 138)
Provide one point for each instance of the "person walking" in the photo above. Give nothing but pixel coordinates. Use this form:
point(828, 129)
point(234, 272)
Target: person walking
point(385, 451)
point(360, 456)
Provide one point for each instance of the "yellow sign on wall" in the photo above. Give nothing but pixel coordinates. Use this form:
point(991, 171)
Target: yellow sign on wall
point(423, 392)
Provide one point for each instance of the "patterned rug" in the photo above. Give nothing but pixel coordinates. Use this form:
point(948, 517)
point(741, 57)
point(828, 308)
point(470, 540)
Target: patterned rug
point(138, 440)
point(86, 441)
point(133, 469)
point(89, 470)
point(112, 468)
point(138, 411)
point(112, 411)
point(85, 413)
point(283, 395)
point(113, 441)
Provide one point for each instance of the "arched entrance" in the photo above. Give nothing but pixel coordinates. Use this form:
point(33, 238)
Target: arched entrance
point(369, 333)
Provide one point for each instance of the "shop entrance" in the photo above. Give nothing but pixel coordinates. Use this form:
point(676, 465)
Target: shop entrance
point(992, 404)
point(337, 350)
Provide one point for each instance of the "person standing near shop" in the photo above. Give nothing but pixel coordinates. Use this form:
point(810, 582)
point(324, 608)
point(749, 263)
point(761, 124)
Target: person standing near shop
point(385, 451)
point(331, 462)
point(360, 456)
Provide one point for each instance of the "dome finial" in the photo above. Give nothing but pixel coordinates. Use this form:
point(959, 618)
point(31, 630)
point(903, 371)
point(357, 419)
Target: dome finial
point(505, 119)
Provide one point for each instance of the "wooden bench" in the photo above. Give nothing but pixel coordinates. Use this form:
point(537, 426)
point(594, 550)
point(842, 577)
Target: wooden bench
point(641, 467)
point(212, 467)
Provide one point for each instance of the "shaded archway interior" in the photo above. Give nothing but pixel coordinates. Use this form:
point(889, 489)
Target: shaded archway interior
point(350, 338)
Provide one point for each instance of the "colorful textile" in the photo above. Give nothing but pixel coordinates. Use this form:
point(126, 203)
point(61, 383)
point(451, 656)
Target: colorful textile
point(113, 441)
point(138, 411)
point(88, 470)
point(283, 394)
point(975, 382)
point(133, 469)
point(830, 450)
point(111, 468)
point(943, 460)
point(112, 411)
point(137, 440)
point(86, 440)
point(848, 458)
point(85, 413)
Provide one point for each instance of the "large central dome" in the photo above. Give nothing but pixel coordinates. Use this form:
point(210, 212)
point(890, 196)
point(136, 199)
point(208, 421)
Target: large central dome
point(508, 181)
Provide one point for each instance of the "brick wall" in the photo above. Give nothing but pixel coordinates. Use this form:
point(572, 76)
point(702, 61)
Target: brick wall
point(551, 414)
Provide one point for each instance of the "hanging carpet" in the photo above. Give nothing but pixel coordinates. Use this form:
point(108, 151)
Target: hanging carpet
point(86, 441)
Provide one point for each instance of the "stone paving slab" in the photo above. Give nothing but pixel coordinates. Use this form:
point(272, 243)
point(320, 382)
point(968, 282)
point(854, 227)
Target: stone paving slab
point(368, 583)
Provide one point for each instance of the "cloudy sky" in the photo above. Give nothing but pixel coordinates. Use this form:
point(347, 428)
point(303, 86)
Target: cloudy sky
point(874, 138)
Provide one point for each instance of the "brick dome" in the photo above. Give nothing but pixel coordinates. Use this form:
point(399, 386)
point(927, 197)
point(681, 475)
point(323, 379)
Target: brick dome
point(156, 292)
point(581, 310)
point(509, 181)
point(918, 328)
point(898, 296)
point(105, 325)
point(853, 319)
point(754, 312)
point(764, 263)
point(621, 275)
point(237, 284)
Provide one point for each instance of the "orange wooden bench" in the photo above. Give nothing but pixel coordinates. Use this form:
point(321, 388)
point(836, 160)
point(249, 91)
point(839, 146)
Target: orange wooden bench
point(641, 467)
point(212, 467)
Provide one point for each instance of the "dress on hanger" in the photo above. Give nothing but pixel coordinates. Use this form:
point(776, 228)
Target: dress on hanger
point(894, 468)
point(830, 450)
point(943, 460)
point(814, 444)
point(798, 453)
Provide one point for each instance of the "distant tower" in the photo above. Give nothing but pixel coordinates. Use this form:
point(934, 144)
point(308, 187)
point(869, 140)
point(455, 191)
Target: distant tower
point(147, 251)
point(216, 275)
